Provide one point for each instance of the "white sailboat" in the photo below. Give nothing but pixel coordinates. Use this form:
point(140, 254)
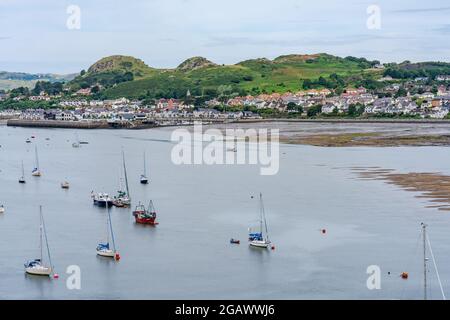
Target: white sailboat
point(260, 238)
point(123, 198)
point(22, 178)
point(36, 171)
point(144, 179)
point(104, 249)
point(76, 144)
point(38, 266)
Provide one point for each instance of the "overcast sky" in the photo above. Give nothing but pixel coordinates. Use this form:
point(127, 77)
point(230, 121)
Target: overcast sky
point(34, 36)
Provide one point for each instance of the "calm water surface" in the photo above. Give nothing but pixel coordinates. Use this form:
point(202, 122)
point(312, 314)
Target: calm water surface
point(188, 256)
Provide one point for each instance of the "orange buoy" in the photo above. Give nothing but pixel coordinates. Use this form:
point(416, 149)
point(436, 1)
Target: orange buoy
point(405, 275)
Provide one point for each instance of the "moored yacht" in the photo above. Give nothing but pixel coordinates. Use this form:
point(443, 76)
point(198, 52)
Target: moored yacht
point(36, 171)
point(123, 198)
point(143, 179)
point(22, 178)
point(260, 238)
point(104, 249)
point(102, 199)
point(37, 266)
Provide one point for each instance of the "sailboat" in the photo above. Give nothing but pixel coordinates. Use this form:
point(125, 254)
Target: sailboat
point(76, 144)
point(65, 184)
point(104, 249)
point(144, 215)
point(38, 266)
point(144, 179)
point(22, 178)
point(123, 197)
point(260, 238)
point(36, 171)
point(425, 242)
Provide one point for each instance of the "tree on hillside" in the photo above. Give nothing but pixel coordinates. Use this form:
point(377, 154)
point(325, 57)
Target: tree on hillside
point(314, 110)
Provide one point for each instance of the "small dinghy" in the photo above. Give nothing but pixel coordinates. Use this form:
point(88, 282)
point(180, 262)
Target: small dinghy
point(65, 185)
point(235, 241)
point(2, 209)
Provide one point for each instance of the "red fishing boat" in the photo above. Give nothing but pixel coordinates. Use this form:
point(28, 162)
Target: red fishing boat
point(144, 215)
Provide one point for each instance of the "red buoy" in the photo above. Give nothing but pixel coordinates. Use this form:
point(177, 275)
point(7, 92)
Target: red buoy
point(117, 256)
point(324, 231)
point(405, 275)
point(273, 247)
point(55, 276)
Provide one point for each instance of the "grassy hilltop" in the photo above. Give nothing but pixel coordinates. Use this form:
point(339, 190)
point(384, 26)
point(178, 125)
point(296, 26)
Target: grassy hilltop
point(122, 76)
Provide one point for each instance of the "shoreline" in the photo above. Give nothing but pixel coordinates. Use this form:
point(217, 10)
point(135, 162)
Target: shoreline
point(143, 125)
point(383, 133)
point(393, 121)
point(90, 125)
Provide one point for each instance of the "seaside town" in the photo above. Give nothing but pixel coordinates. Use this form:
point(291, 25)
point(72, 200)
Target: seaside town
point(412, 99)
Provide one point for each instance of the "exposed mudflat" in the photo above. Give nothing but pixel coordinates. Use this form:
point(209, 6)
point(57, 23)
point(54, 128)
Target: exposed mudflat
point(433, 186)
point(354, 134)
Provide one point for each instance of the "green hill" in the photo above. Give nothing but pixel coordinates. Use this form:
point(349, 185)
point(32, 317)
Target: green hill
point(112, 70)
point(121, 76)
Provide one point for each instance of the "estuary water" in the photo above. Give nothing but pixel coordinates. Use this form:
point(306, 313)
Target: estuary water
point(200, 207)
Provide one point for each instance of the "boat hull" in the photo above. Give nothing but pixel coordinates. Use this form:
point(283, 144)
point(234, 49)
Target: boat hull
point(149, 221)
point(103, 203)
point(40, 271)
point(259, 244)
point(106, 253)
point(142, 217)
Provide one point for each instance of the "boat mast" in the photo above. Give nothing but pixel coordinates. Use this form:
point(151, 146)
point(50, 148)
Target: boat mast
point(40, 232)
point(37, 158)
point(23, 171)
point(107, 224)
point(46, 239)
point(264, 218)
point(125, 173)
point(111, 229)
point(145, 168)
point(424, 233)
